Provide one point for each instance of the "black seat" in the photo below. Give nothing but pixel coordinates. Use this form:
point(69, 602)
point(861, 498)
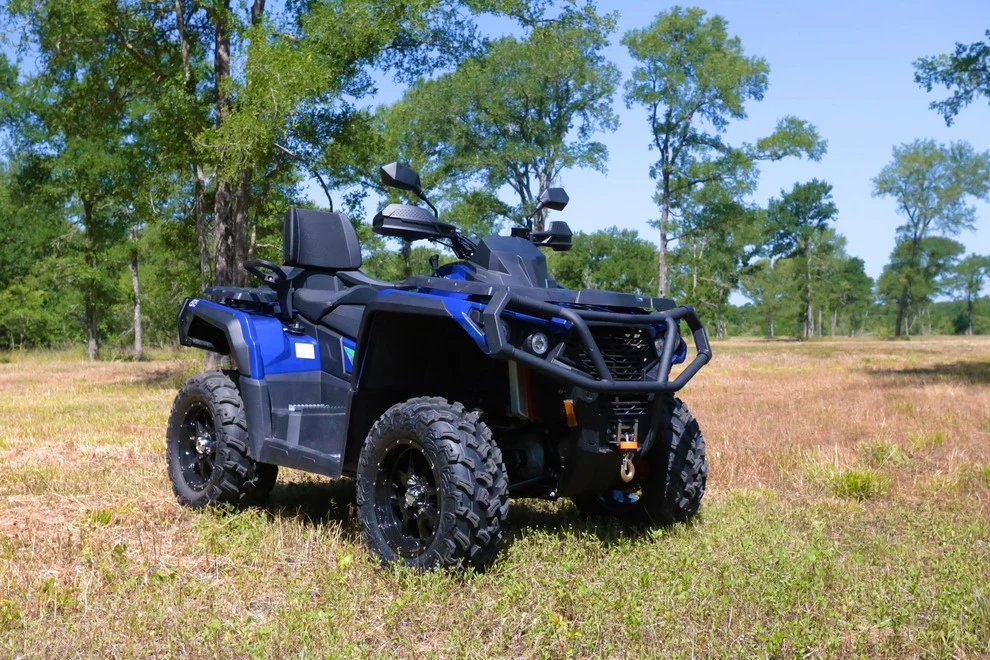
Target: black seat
point(322, 257)
point(319, 241)
point(314, 304)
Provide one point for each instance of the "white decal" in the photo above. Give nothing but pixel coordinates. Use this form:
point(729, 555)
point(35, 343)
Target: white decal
point(306, 351)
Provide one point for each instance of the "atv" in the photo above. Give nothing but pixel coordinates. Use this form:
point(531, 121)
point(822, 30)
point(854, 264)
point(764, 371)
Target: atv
point(442, 395)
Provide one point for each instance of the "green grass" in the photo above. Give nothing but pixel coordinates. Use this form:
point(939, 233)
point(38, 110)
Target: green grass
point(926, 440)
point(880, 452)
point(792, 556)
point(854, 483)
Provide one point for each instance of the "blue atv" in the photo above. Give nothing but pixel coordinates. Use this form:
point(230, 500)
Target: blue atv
point(442, 395)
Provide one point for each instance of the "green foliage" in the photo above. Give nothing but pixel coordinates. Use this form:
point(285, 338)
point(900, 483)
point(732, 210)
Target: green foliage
point(799, 227)
point(614, 259)
point(965, 73)
point(932, 185)
point(693, 80)
point(769, 284)
point(554, 95)
point(967, 280)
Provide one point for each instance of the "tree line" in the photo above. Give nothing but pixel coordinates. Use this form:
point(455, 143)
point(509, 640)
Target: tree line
point(151, 147)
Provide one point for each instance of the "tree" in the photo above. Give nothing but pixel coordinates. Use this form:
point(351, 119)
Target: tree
point(717, 241)
point(915, 275)
point(848, 292)
point(769, 284)
point(798, 221)
point(693, 79)
point(931, 184)
point(967, 281)
point(613, 259)
point(554, 94)
point(966, 73)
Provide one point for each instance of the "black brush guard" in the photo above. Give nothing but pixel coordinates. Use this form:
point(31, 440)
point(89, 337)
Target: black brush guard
point(498, 343)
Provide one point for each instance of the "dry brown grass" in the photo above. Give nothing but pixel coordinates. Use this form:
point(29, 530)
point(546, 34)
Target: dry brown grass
point(847, 514)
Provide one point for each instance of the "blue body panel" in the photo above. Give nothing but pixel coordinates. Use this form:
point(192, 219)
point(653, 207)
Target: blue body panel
point(272, 350)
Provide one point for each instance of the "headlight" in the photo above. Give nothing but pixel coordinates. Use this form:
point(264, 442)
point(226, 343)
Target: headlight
point(538, 343)
point(658, 344)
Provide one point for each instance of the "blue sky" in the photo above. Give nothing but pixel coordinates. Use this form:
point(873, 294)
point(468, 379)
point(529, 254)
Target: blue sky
point(845, 67)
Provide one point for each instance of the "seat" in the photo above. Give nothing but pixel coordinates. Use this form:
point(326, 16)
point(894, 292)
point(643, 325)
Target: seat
point(346, 320)
point(314, 304)
point(321, 256)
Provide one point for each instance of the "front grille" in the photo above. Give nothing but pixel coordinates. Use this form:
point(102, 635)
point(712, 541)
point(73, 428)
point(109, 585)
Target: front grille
point(626, 352)
point(625, 407)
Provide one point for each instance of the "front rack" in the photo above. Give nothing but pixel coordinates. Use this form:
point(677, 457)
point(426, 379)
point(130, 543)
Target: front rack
point(498, 343)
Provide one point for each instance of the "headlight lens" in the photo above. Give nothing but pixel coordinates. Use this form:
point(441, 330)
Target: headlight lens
point(658, 344)
point(538, 343)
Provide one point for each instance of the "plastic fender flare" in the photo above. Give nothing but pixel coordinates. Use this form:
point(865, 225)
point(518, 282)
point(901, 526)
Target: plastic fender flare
point(225, 319)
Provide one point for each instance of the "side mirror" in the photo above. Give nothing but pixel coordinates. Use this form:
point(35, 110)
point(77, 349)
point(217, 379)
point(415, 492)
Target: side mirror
point(558, 236)
point(554, 199)
point(403, 177)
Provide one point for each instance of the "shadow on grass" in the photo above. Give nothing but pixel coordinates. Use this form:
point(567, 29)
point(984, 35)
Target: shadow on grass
point(970, 373)
point(316, 502)
point(562, 518)
point(333, 502)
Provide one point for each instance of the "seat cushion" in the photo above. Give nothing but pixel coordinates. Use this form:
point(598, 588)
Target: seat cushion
point(313, 304)
point(345, 319)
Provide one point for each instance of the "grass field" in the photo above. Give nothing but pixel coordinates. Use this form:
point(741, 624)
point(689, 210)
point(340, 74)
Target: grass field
point(847, 515)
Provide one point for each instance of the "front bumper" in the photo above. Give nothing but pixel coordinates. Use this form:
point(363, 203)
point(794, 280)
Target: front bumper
point(579, 319)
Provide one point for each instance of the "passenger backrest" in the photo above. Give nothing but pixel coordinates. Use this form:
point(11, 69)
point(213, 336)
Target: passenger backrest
point(320, 241)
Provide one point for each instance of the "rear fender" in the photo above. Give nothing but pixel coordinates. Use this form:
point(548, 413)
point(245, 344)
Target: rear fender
point(213, 327)
point(258, 343)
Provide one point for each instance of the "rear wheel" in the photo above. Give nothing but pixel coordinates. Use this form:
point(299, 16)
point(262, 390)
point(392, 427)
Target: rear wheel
point(669, 481)
point(206, 446)
point(431, 487)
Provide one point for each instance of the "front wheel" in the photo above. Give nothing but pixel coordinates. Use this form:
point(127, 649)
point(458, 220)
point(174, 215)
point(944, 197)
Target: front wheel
point(431, 487)
point(669, 481)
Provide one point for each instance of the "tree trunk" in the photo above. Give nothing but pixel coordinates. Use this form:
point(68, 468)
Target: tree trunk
point(199, 179)
point(809, 324)
point(92, 338)
point(540, 221)
point(969, 317)
point(835, 319)
point(92, 325)
point(664, 219)
point(819, 321)
point(225, 231)
point(138, 327)
point(405, 253)
point(771, 327)
point(202, 228)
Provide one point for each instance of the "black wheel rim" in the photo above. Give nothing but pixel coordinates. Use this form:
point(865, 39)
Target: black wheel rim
point(197, 446)
point(407, 499)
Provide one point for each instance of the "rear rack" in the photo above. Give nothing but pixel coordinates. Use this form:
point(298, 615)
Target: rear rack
point(552, 364)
